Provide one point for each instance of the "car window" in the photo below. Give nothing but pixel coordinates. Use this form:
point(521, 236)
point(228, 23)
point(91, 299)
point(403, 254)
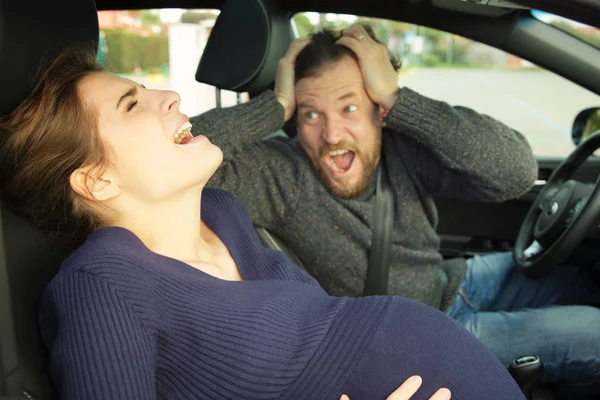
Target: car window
point(161, 50)
point(447, 67)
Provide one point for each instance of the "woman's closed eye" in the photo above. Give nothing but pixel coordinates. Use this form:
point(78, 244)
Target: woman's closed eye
point(131, 105)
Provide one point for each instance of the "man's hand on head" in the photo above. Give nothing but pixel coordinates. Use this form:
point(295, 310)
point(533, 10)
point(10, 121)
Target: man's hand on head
point(285, 79)
point(381, 79)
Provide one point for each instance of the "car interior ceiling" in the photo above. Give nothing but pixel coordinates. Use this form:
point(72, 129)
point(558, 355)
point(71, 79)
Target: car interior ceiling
point(21, 250)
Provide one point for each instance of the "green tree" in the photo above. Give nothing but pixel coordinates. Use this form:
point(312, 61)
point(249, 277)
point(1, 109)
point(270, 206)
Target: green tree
point(150, 18)
point(303, 25)
point(102, 49)
point(592, 125)
point(195, 17)
point(129, 51)
point(400, 28)
point(333, 24)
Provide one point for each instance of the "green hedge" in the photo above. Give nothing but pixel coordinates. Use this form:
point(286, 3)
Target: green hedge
point(127, 51)
point(592, 125)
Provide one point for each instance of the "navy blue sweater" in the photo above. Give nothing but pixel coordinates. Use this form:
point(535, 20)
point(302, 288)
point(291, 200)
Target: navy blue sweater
point(122, 322)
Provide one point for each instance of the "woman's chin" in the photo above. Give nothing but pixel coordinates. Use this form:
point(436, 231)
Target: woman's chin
point(209, 165)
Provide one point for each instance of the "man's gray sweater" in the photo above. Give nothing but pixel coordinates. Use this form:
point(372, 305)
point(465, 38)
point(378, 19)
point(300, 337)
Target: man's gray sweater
point(431, 148)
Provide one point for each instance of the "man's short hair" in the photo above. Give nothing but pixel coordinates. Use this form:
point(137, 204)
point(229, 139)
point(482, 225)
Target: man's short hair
point(323, 50)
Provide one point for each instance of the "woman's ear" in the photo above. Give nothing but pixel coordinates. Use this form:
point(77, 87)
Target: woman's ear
point(92, 185)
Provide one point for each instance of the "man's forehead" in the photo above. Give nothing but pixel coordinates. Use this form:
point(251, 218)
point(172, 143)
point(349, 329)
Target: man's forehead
point(333, 85)
point(345, 69)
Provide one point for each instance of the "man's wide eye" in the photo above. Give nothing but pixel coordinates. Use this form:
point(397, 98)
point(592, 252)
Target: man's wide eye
point(311, 115)
point(350, 108)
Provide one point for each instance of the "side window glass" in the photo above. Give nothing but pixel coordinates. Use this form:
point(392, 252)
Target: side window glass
point(161, 50)
point(538, 103)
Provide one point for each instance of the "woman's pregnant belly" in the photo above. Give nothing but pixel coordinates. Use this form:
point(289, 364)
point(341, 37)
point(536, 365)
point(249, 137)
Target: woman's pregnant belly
point(414, 339)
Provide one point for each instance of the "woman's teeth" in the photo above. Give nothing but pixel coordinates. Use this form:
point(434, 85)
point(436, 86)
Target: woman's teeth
point(183, 134)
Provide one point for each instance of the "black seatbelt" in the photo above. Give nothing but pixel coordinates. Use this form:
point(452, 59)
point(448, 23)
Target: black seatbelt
point(378, 270)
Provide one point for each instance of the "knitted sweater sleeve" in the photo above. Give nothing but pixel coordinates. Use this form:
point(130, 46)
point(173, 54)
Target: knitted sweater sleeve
point(457, 152)
point(98, 345)
point(262, 174)
point(234, 128)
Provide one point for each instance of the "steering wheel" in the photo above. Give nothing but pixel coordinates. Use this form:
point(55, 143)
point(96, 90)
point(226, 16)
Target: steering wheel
point(563, 214)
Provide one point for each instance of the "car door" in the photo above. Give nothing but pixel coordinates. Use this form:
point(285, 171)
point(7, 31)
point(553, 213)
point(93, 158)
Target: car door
point(468, 228)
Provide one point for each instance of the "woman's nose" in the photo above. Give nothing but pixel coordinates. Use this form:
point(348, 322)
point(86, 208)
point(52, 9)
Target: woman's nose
point(170, 102)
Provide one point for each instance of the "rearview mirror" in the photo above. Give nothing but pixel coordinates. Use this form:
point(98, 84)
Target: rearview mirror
point(586, 123)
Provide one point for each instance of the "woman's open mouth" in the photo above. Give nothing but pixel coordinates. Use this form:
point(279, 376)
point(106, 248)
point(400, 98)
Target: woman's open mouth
point(183, 135)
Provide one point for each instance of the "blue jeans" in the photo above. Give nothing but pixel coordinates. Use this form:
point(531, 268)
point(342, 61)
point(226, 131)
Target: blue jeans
point(515, 316)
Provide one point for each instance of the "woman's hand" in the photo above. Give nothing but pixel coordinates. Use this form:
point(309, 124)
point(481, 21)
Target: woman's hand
point(409, 388)
point(285, 80)
point(381, 79)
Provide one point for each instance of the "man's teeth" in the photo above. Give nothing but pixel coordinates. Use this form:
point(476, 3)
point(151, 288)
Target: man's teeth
point(337, 153)
point(183, 134)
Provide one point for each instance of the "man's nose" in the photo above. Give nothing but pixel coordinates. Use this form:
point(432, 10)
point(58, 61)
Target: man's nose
point(332, 131)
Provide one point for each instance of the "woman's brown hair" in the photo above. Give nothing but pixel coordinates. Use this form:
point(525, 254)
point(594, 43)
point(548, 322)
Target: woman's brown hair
point(47, 137)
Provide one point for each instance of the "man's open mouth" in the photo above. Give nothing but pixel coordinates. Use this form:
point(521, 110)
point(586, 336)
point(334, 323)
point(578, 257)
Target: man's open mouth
point(340, 161)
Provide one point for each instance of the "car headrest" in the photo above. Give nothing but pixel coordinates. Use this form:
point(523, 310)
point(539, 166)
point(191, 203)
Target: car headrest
point(244, 48)
point(30, 31)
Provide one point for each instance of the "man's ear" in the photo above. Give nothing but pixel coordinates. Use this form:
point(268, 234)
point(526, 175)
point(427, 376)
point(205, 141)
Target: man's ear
point(91, 184)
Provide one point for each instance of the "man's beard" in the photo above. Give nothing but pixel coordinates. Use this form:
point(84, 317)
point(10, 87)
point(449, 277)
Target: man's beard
point(369, 161)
